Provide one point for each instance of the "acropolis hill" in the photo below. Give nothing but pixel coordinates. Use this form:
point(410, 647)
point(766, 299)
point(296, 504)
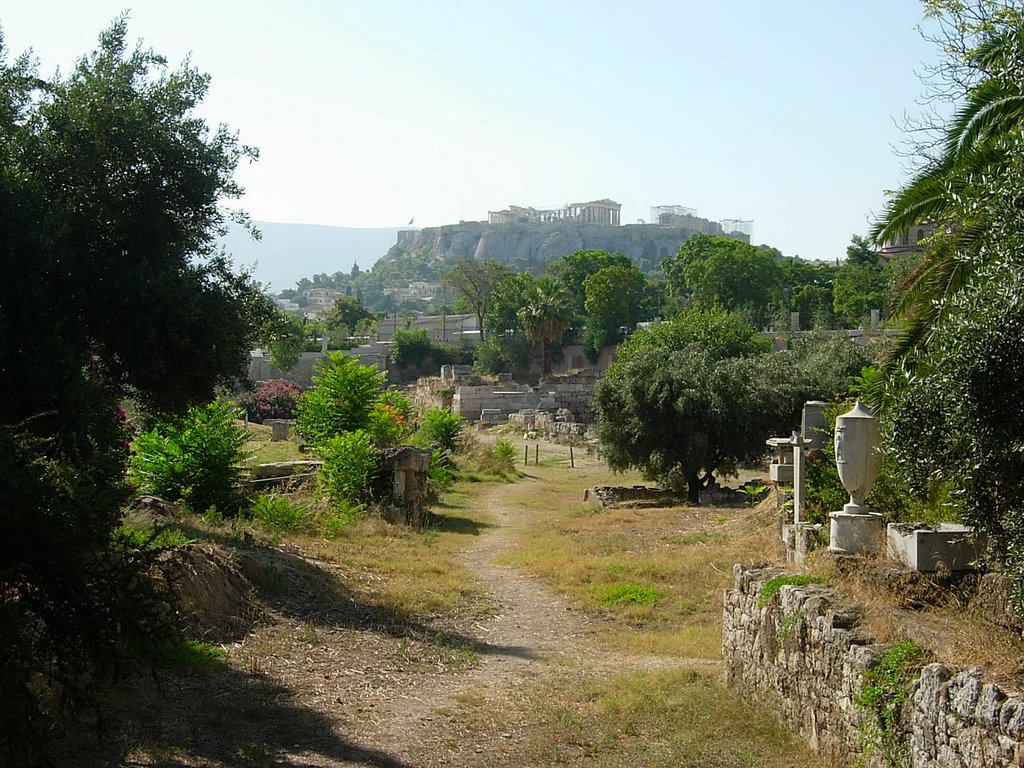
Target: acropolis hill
point(528, 239)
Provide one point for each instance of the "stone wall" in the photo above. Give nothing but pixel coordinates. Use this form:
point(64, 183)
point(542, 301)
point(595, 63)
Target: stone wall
point(505, 398)
point(261, 369)
point(804, 656)
point(574, 392)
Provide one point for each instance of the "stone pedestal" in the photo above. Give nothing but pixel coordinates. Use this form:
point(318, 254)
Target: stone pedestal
point(278, 429)
point(800, 539)
point(853, 534)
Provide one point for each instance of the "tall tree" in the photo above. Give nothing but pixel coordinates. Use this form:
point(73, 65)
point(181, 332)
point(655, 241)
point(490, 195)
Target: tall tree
point(860, 252)
point(546, 317)
point(345, 313)
point(729, 273)
point(110, 210)
point(573, 270)
point(474, 283)
point(614, 300)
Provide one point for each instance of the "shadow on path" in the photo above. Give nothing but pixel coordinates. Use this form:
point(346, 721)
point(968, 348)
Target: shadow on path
point(214, 717)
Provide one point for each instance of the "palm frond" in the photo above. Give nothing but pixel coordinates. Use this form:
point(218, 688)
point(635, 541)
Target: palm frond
point(991, 111)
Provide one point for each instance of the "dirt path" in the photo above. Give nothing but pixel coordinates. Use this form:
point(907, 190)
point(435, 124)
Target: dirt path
point(533, 630)
point(535, 633)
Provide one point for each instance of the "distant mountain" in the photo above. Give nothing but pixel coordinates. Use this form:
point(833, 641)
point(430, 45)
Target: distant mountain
point(289, 252)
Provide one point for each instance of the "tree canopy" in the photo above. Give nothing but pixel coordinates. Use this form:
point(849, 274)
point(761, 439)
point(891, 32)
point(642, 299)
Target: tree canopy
point(730, 273)
point(111, 285)
point(695, 396)
point(474, 283)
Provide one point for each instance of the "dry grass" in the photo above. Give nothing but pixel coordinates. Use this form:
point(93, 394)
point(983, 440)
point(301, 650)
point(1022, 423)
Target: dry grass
point(949, 629)
point(652, 719)
point(685, 553)
point(266, 452)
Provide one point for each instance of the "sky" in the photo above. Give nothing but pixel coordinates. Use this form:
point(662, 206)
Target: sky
point(375, 113)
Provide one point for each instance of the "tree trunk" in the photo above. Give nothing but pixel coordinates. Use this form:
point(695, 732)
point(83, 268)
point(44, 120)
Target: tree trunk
point(693, 488)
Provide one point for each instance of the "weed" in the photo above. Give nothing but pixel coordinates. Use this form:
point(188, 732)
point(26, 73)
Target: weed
point(790, 621)
point(153, 538)
point(883, 694)
point(278, 512)
point(625, 592)
point(754, 493)
point(186, 653)
point(773, 585)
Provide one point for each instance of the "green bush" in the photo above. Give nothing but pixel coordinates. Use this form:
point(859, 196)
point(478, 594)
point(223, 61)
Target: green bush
point(195, 458)
point(441, 472)
point(440, 427)
point(410, 348)
point(505, 454)
point(342, 399)
point(278, 512)
point(351, 464)
point(391, 418)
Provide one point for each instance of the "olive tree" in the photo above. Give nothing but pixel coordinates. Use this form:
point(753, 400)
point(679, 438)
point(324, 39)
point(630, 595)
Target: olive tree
point(701, 394)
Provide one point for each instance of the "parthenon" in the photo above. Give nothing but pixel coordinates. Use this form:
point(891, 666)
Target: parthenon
point(594, 212)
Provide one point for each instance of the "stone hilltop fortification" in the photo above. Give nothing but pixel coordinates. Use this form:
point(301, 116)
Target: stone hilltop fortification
point(531, 246)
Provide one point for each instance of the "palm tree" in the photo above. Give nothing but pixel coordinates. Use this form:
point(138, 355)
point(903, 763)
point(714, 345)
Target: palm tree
point(957, 193)
point(546, 317)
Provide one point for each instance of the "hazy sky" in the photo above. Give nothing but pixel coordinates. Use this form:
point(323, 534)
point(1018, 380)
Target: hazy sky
point(375, 112)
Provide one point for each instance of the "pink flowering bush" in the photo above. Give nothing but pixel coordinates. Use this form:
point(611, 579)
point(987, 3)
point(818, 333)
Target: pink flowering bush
point(274, 399)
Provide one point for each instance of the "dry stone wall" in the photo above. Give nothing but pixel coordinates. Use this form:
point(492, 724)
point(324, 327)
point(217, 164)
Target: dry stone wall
point(804, 656)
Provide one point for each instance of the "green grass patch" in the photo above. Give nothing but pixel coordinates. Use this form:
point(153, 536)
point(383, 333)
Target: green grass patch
point(626, 592)
point(774, 584)
point(183, 652)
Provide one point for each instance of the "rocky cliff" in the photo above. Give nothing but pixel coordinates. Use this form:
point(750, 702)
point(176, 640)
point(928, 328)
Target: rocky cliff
point(531, 247)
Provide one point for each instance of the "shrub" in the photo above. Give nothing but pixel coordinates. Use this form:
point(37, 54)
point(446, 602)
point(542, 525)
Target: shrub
point(498, 459)
point(195, 458)
point(389, 420)
point(274, 399)
point(505, 454)
point(441, 471)
point(440, 427)
point(410, 348)
point(278, 512)
point(343, 397)
point(351, 463)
